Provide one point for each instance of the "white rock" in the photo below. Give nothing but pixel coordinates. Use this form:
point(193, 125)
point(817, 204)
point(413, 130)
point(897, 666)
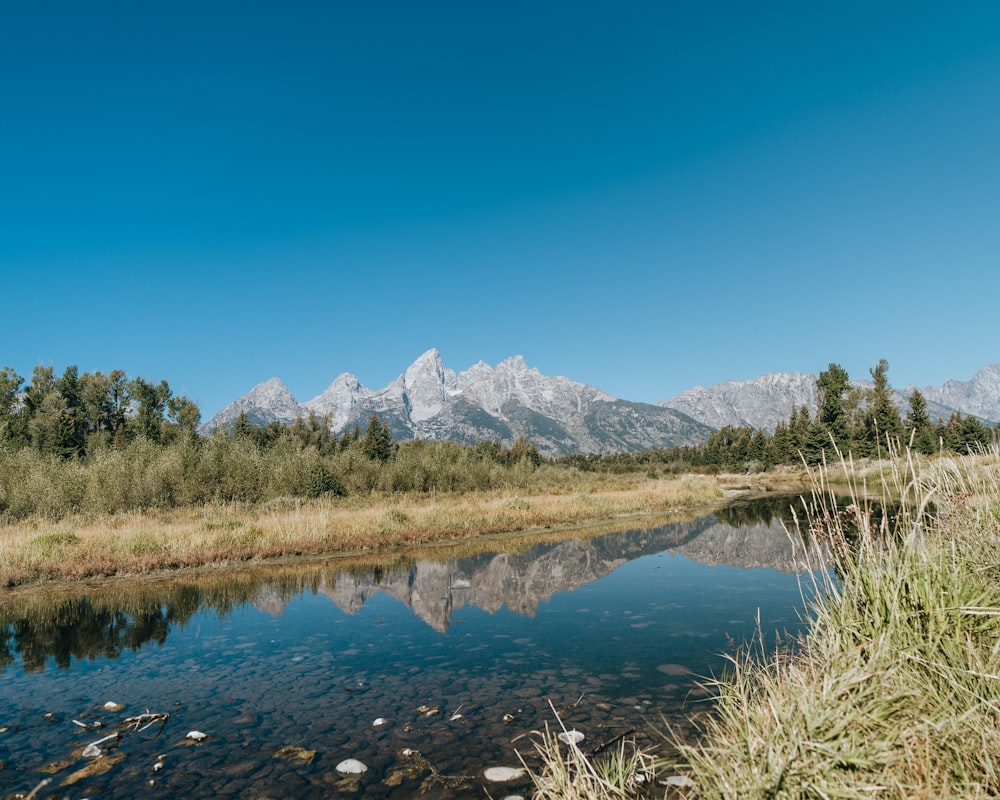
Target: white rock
point(351, 766)
point(111, 705)
point(197, 736)
point(501, 774)
point(571, 737)
point(378, 723)
point(679, 780)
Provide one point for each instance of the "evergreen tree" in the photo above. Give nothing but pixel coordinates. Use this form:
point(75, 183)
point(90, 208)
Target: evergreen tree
point(69, 386)
point(831, 387)
point(917, 425)
point(882, 421)
point(243, 428)
point(807, 437)
point(378, 444)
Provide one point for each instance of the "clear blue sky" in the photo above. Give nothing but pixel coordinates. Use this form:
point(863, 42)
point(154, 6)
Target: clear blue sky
point(640, 196)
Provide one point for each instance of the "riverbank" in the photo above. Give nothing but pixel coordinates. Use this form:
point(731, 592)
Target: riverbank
point(86, 547)
point(893, 690)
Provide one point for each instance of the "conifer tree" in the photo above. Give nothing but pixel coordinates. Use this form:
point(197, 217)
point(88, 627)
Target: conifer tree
point(831, 388)
point(882, 420)
point(917, 424)
point(378, 444)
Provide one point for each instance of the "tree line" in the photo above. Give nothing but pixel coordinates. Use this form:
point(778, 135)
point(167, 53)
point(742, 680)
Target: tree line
point(72, 414)
point(107, 443)
point(855, 420)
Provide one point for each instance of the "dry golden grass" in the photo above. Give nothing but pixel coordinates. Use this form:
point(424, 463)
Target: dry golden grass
point(143, 543)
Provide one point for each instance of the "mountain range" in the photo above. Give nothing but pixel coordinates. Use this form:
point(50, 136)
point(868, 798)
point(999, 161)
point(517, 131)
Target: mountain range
point(561, 416)
point(764, 401)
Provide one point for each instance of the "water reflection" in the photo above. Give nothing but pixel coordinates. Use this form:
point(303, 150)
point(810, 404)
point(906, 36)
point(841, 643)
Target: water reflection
point(104, 624)
point(611, 630)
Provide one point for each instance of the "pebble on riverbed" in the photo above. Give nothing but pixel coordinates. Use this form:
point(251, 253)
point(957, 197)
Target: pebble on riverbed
point(351, 766)
point(502, 774)
point(571, 737)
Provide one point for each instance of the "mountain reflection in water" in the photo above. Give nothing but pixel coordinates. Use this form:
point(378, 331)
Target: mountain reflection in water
point(460, 657)
point(104, 624)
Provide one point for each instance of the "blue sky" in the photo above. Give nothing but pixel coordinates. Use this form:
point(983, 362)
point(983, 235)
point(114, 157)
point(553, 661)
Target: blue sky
point(640, 196)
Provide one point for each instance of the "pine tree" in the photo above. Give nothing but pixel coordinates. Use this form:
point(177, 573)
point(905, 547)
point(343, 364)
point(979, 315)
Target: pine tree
point(882, 421)
point(378, 444)
point(917, 425)
point(831, 388)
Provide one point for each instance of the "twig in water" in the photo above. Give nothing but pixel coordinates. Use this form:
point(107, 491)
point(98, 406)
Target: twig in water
point(93, 750)
point(610, 742)
point(33, 792)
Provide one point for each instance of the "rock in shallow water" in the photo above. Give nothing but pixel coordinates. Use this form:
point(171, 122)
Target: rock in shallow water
point(351, 766)
point(571, 737)
point(501, 774)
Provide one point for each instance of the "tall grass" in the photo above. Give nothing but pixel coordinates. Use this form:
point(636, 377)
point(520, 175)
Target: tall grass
point(142, 476)
point(135, 542)
point(894, 691)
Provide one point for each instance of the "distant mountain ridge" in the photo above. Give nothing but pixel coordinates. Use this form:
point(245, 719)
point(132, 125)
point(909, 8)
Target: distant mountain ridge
point(561, 416)
point(764, 401)
point(430, 401)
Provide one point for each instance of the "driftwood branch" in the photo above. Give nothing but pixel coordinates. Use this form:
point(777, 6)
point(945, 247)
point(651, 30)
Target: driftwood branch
point(140, 722)
point(93, 750)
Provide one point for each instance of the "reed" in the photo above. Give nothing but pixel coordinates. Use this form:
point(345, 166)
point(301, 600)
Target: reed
point(894, 690)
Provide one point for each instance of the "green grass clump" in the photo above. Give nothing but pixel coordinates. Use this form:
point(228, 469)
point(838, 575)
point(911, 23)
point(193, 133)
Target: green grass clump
point(894, 691)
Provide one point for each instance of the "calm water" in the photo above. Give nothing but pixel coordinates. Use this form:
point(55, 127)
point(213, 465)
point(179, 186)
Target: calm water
point(462, 658)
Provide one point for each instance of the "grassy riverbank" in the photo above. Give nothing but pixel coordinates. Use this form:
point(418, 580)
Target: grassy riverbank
point(894, 691)
point(86, 546)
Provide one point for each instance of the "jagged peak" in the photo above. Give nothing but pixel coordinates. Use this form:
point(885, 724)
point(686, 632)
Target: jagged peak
point(271, 383)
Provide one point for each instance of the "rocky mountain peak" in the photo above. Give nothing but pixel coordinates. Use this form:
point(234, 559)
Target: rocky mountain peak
point(270, 401)
point(427, 385)
point(341, 400)
point(758, 403)
point(979, 396)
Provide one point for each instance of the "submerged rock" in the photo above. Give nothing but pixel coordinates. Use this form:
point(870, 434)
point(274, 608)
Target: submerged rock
point(351, 766)
point(502, 774)
point(571, 737)
point(297, 755)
